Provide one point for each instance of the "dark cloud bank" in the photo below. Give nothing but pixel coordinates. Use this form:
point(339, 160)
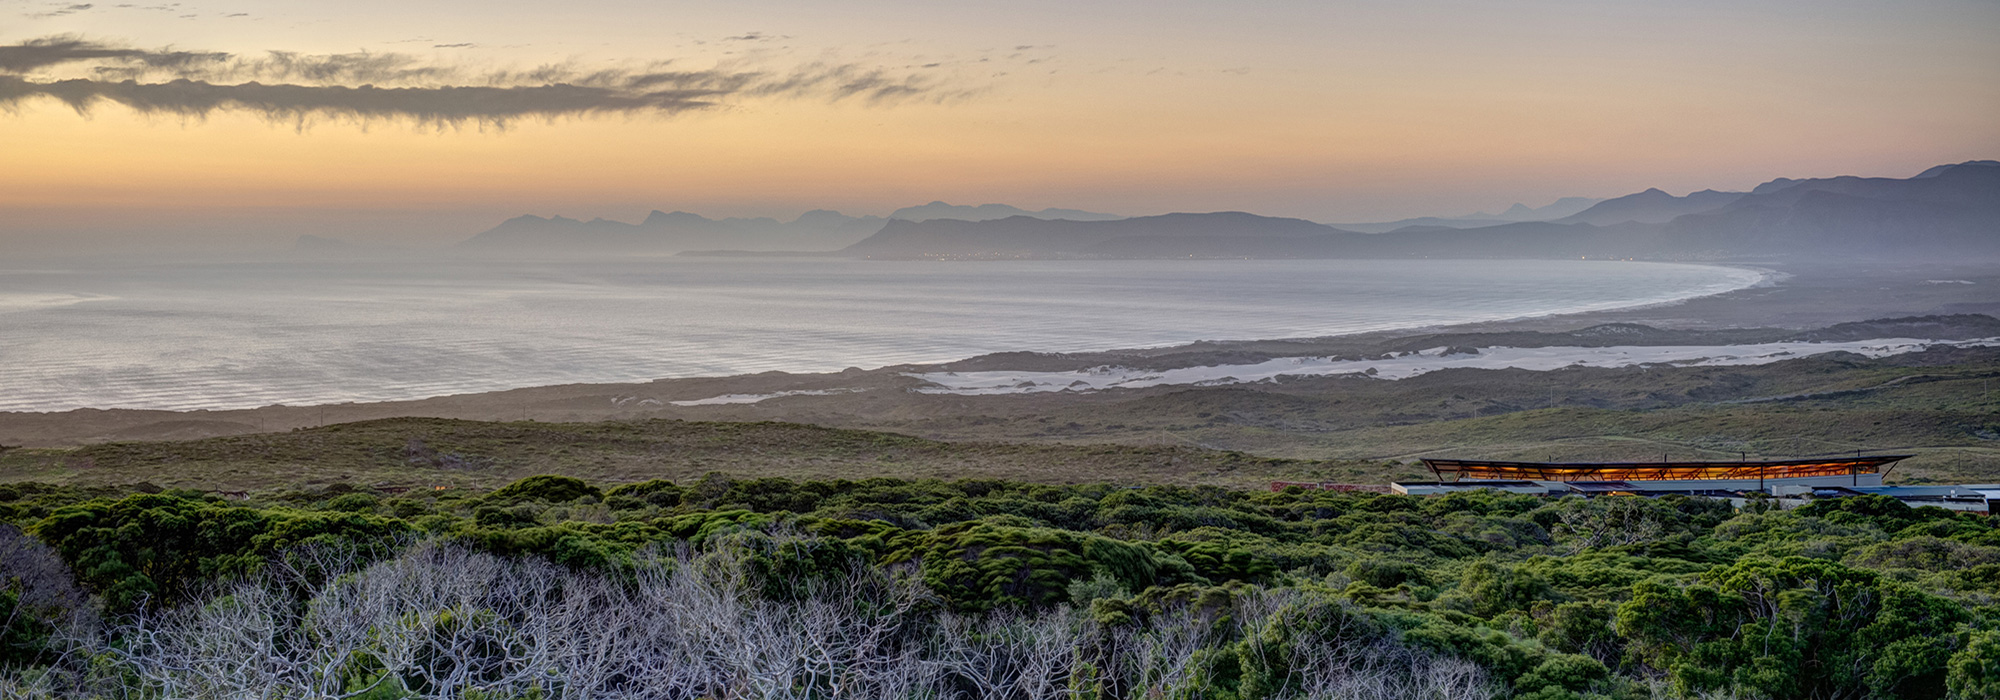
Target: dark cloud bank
point(370, 86)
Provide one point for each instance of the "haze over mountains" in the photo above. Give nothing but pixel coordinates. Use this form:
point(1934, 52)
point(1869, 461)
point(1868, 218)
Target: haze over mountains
point(1519, 212)
point(678, 231)
point(1946, 212)
point(1650, 207)
point(669, 232)
point(989, 212)
point(1950, 212)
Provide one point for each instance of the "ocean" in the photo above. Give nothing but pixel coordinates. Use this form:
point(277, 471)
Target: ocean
point(242, 335)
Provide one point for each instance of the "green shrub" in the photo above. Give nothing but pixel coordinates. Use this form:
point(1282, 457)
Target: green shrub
point(1487, 589)
point(657, 492)
point(1382, 572)
point(544, 488)
point(1974, 672)
point(1266, 654)
point(1793, 628)
point(982, 565)
point(158, 545)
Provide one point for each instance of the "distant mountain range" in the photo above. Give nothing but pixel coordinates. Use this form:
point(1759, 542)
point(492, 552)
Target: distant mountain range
point(1650, 207)
point(1945, 212)
point(670, 232)
point(1561, 208)
point(1519, 212)
point(1023, 237)
point(679, 231)
point(989, 212)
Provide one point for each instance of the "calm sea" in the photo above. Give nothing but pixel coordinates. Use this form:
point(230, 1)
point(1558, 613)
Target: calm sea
point(244, 335)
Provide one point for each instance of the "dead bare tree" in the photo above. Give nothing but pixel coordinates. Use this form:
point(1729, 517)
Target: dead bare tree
point(46, 592)
point(1586, 523)
point(235, 645)
point(1386, 671)
point(1158, 658)
point(439, 621)
point(1009, 654)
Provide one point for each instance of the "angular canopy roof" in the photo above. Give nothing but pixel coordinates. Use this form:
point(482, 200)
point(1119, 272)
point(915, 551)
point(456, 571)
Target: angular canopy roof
point(1658, 471)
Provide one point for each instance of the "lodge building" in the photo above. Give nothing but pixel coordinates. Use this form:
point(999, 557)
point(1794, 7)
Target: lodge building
point(1735, 480)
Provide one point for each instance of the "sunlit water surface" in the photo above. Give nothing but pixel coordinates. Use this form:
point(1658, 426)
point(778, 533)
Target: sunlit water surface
point(245, 335)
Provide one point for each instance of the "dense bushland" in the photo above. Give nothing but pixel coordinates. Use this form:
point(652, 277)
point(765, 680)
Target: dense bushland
point(767, 588)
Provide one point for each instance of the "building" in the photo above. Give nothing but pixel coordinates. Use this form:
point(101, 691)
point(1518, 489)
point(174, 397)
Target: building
point(1853, 469)
point(1791, 481)
point(1439, 488)
point(1694, 478)
point(1971, 498)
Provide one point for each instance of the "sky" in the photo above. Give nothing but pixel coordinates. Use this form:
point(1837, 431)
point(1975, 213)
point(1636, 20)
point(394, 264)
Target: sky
point(207, 124)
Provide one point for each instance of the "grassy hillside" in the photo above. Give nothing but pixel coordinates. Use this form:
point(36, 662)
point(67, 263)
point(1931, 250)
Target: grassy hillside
point(1942, 406)
point(427, 452)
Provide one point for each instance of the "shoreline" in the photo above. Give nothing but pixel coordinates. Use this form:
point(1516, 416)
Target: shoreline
point(247, 397)
point(1767, 277)
point(1796, 298)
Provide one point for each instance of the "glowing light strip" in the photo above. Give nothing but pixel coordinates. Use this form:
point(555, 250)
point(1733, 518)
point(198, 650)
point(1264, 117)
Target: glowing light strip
point(1665, 471)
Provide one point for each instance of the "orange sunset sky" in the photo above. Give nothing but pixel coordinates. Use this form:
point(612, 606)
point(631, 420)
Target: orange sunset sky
point(130, 126)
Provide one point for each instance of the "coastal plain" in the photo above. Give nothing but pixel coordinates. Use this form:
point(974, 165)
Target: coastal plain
point(1938, 405)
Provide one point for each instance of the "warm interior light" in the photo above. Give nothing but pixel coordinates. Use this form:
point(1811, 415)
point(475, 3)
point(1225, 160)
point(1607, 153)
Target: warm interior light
point(1663, 471)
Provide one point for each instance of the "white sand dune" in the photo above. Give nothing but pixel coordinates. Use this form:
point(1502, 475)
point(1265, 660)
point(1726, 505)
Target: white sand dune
point(1413, 364)
point(754, 398)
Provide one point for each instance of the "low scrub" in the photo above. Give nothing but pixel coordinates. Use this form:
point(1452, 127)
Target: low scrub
point(768, 588)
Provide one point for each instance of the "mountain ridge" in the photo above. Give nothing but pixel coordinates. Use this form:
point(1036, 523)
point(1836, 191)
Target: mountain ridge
point(989, 212)
point(1652, 206)
point(1520, 212)
point(1951, 213)
point(1944, 210)
point(677, 231)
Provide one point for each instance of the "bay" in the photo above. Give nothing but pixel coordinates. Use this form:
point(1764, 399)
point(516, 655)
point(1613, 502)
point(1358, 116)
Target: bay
point(239, 335)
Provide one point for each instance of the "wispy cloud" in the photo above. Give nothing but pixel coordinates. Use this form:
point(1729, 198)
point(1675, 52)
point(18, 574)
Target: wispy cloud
point(37, 54)
point(443, 105)
point(298, 87)
point(62, 11)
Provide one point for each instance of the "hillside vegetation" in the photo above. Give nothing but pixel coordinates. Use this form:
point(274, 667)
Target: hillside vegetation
point(1940, 406)
point(430, 452)
point(726, 587)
